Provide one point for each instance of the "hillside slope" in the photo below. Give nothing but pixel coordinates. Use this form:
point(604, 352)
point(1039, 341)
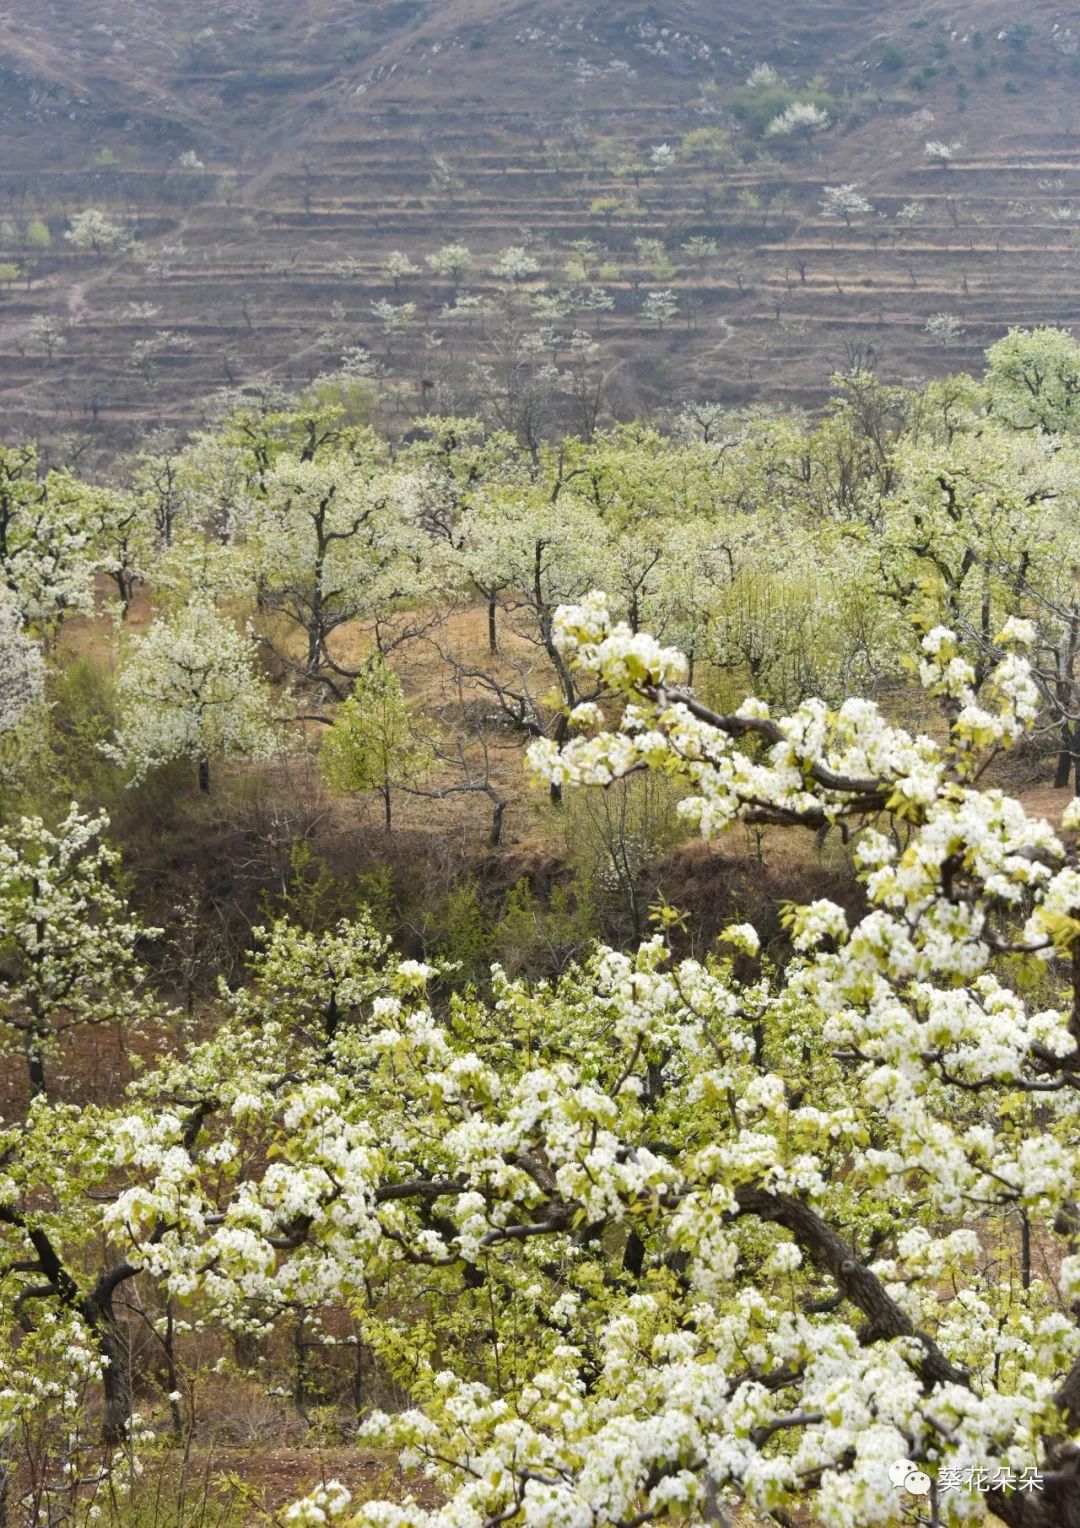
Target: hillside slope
point(265, 164)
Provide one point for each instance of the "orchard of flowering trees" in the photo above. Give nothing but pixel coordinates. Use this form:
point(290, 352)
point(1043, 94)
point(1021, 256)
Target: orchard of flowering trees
point(781, 1225)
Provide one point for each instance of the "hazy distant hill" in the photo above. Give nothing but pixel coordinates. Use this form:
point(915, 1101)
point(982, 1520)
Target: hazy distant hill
point(266, 161)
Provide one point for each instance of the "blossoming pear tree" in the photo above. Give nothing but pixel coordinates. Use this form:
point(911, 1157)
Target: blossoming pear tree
point(1033, 380)
point(675, 1235)
point(530, 549)
point(336, 539)
point(803, 118)
point(846, 202)
point(22, 667)
point(983, 528)
point(68, 940)
point(46, 561)
point(189, 689)
point(123, 539)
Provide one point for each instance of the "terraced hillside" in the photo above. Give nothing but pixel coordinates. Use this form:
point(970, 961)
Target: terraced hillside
point(271, 183)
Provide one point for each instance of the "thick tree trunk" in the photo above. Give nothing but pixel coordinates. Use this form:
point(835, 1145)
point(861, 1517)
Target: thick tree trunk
point(113, 1345)
point(495, 837)
point(1067, 753)
point(204, 775)
point(1057, 1505)
point(1064, 768)
point(493, 637)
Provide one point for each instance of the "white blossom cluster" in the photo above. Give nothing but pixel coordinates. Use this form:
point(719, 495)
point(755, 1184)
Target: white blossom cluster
point(190, 689)
point(68, 939)
point(814, 1157)
point(663, 1238)
point(22, 668)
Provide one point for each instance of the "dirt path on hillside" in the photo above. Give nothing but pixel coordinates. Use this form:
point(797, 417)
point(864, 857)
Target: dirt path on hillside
point(721, 321)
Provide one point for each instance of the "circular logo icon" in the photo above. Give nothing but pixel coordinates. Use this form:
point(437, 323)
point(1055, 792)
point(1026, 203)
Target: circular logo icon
point(908, 1477)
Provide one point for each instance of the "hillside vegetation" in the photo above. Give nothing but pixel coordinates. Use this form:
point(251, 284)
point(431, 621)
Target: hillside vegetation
point(539, 764)
point(280, 186)
point(434, 1061)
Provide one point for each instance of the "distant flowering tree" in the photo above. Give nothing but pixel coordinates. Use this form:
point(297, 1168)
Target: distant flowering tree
point(67, 938)
point(46, 333)
point(910, 213)
point(845, 202)
point(659, 307)
point(700, 249)
point(123, 536)
point(189, 689)
point(763, 77)
point(335, 539)
point(942, 154)
point(945, 329)
point(22, 667)
point(397, 266)
point(395, 318)
point(95, 231)
point(450, 260)
point(801, 119)
point(515, 264)
point(46, 558)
